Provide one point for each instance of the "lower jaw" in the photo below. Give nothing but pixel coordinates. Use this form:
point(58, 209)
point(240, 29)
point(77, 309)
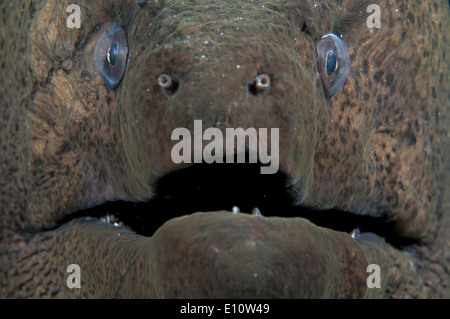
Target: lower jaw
point(224, 255)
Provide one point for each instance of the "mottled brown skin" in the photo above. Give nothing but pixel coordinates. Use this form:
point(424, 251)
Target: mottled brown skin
point(377, 146)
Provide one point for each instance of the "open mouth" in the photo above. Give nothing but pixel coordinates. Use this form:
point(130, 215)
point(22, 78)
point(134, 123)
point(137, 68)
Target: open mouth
point(228, 231)
point(234, 188)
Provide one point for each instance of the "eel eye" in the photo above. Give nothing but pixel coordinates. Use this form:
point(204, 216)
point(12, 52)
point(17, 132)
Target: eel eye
point(110, 55)
point(333, 62)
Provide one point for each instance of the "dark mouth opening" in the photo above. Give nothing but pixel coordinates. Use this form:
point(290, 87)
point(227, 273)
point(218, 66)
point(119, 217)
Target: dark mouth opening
point(212, 187)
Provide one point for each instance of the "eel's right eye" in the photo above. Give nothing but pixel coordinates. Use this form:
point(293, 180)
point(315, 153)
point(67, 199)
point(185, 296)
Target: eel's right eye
point(333, 62)
point(110, 55)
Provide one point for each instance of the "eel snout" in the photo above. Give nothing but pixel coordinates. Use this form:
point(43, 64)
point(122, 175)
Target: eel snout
point(194, 75)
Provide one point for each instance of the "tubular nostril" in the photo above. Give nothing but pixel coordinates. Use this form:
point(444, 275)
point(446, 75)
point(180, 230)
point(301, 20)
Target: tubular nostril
point(167, 84)
point(261, 84)
point(165, 81)
point(263, 81)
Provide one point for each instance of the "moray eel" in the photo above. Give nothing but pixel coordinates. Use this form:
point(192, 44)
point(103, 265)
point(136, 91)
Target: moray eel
point(87, 116)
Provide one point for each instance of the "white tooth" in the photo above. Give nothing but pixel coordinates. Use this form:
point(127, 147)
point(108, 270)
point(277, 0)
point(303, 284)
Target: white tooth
point(235, 209)
point(256, 212)
point(355, 232)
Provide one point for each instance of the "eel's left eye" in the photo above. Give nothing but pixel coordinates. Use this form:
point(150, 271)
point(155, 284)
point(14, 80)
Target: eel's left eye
point(110, 55)
point(333, 62)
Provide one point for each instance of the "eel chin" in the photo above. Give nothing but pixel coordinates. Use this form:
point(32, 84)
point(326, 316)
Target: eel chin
point(195, 240)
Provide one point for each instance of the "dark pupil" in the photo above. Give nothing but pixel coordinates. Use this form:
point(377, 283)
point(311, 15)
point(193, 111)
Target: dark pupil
point(331, 63)
point(112, 54)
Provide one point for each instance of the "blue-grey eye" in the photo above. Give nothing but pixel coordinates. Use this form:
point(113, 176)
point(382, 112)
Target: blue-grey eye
point(333, 62)
point(110, 55)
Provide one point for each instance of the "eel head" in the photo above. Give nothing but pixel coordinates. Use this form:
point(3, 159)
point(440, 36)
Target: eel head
point(142, 84)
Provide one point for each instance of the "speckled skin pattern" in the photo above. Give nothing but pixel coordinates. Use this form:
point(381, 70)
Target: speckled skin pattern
point(376, 147)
